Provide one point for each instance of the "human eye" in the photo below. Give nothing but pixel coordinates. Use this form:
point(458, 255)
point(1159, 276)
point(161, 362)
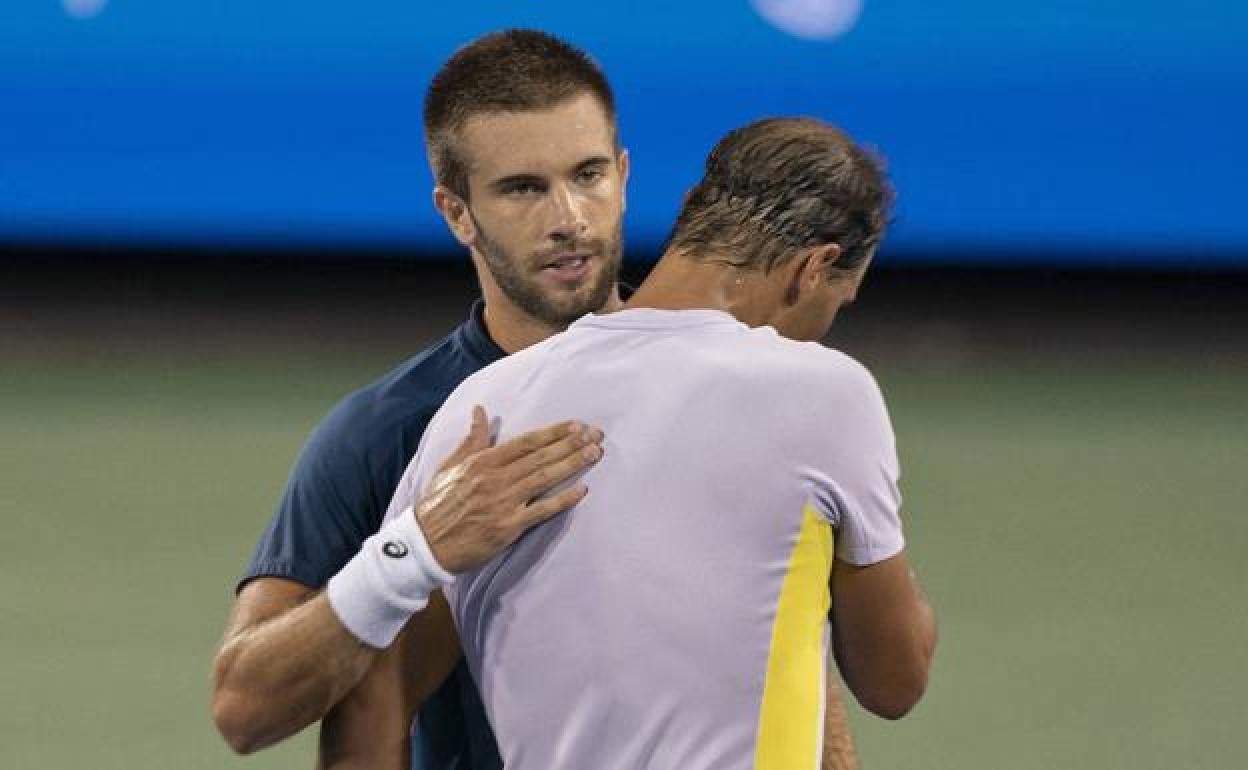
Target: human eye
point(520, 189)
point(591, 174)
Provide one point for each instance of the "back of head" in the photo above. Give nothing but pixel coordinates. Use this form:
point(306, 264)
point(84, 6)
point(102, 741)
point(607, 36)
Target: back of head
point(513, 70)
point(780, 185)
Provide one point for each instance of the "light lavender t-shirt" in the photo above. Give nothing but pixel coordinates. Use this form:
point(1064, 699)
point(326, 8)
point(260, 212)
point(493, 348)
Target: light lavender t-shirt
point(677, 617)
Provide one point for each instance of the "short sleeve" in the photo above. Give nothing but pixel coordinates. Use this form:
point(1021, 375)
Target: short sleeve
point(852, 468)
point(325, 513)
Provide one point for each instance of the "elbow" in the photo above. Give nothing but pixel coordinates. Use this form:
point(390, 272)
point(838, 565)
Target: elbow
point(896, 688)
point(901, 679)
point(895, 700)
point(236, 721)
point(235, 711)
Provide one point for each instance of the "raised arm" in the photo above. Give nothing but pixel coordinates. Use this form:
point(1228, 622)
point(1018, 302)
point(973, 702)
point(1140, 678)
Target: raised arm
point(883, 634)
point(287, 657)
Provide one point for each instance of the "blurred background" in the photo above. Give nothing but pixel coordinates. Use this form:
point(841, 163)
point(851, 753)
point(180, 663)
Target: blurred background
point(215, 221)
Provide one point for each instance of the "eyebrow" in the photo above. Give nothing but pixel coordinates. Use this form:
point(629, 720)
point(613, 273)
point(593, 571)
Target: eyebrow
point(503, 183)
point(516, 179)
point(597, 160)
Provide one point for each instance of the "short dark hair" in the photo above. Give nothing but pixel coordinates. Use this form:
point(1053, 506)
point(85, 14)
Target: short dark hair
point(509, 71)
point(780, 185)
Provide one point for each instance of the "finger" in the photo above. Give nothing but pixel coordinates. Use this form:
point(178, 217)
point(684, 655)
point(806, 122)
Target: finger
point(540, 510)
point(549, 455)
point(547, 477)
point(510, 451)
point(478, 439)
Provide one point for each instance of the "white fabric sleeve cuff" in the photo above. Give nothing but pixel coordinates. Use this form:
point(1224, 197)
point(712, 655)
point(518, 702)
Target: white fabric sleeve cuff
point(388, 581)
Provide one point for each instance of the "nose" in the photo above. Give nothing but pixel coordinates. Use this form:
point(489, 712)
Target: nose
point(569, 219)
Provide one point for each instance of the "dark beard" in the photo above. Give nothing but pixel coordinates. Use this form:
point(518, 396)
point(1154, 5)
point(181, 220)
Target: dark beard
point(527, 294)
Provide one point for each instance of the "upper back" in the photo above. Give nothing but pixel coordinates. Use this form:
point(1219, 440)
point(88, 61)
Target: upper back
point(719, 440)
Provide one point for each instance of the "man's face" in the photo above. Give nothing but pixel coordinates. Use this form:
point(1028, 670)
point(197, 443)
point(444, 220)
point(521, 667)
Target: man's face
point(546, 202)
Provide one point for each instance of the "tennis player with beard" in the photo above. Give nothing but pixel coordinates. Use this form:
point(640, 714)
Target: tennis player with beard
point(521, 134)
point(744, 524)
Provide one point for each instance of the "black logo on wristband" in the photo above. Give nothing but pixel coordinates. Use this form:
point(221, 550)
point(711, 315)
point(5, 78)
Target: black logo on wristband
point(394, 549)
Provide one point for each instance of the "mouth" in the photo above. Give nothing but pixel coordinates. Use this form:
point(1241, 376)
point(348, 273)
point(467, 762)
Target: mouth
point(571, 267)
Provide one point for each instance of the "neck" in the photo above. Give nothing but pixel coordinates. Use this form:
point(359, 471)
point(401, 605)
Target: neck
point(680, 282)
point(512, 329)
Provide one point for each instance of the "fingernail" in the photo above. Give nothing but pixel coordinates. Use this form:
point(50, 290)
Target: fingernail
point(598, 436)
point(592, 452)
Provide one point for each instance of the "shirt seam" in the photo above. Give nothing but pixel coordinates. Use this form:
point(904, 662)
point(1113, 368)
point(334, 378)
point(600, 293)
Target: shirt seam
point(284, 568)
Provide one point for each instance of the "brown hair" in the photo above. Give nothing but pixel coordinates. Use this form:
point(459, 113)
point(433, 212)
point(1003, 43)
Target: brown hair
point(780, 185)
point(509, 71)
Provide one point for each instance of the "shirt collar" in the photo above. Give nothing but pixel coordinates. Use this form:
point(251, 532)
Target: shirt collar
point(476, 337)
point(653, 318)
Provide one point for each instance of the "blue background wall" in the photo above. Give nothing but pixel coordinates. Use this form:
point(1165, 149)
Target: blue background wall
point(1076, 130)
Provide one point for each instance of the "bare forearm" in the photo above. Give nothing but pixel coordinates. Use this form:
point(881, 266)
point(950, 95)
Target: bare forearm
point(890, 685)
point(277, 677)
point(884, 635)
point(369, 728)
point(838, 740)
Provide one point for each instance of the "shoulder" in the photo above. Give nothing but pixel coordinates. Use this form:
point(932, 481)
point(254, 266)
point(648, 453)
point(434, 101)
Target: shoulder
point(827, 398)
point(829, 367)
point(503, 376)
point(806, 367)
point(392, 411)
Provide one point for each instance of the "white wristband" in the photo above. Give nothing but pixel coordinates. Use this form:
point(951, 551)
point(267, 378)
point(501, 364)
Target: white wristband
point(388, 581)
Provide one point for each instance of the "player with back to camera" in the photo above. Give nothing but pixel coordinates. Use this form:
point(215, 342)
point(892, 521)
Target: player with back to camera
point(520, 129)
point(678, 616)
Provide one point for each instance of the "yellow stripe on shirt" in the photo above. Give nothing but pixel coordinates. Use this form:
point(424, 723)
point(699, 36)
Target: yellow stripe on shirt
point(792, 709)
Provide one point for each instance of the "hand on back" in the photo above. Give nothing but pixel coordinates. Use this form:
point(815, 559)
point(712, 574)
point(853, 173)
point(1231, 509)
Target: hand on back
point(484, 497)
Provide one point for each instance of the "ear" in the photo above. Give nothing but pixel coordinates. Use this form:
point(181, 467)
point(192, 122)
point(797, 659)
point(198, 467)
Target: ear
point(817, 266)
point(810, 271)
point(819, 263)
point(455, 211)
point(623, 165)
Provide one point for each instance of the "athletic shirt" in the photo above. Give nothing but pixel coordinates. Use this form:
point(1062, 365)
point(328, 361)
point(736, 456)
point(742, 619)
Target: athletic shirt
point(677, 617)
point(336, 498)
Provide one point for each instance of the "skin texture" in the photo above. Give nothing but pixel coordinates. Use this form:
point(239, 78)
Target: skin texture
point(797, 298)
point(543, 183)
point(838, 743)
point(883, 634)
point(284, 661)
point(481, 505)
point(419, 660)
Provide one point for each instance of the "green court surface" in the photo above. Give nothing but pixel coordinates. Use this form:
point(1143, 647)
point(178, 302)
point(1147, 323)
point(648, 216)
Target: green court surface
point(1081, 532)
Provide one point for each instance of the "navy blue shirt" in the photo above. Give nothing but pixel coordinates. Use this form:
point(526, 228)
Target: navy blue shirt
point(336, 498)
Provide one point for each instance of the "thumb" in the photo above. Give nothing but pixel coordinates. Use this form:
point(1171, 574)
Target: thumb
point(478, 438)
